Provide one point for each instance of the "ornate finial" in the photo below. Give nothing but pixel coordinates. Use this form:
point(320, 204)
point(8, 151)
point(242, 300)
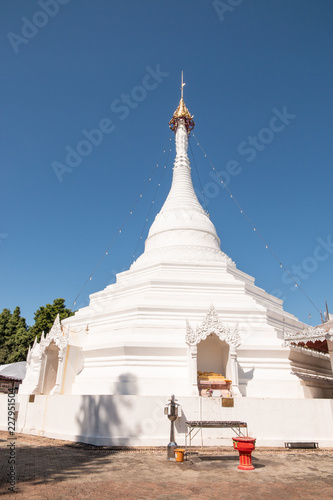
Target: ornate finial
point(182, 113)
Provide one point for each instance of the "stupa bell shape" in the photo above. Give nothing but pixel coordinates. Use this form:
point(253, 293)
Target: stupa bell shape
point(182, 230)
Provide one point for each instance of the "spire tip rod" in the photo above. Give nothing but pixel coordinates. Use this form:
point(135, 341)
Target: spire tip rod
point(182, 87)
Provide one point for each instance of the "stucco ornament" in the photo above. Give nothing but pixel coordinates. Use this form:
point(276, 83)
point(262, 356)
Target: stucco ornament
point(212, 324)
point(55, 335)
point(34, 351)
point(310, 334)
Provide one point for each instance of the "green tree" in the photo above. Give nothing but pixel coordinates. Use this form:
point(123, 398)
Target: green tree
point(14, 336)
point(45, 316)
point(4, 320)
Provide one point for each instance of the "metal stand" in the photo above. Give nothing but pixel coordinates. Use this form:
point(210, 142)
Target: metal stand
point(172, 445)
point(193, 427)
point(172, 411)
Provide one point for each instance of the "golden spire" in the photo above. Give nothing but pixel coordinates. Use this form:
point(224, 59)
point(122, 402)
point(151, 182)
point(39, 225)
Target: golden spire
point(182, 113)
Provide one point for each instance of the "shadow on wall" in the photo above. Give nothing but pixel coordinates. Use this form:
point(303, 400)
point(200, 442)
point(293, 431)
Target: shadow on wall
point(106, 419)
point(244, 377)
point(180, 424)
point(126, 384)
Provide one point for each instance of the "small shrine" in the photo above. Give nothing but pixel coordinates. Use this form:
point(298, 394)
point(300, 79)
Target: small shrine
point(213, 384)
point(213, 346)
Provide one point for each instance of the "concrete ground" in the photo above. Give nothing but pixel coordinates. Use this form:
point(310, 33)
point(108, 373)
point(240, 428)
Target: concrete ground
point(52, 469)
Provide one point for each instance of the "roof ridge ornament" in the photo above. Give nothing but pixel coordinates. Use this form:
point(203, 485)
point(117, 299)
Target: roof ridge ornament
point(310, 334)
point(182, 113)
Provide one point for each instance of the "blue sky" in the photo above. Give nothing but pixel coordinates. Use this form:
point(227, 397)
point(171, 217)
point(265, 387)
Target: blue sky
point(70, 67)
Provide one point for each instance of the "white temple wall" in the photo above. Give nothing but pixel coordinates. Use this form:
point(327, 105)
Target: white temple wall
point(30, 381)
point(310, 360)
point(311, 390)
point(132, 338)
point(155, 354)
point(132, 380)
point(73, 366)
point(266, 373)
point(139, 421)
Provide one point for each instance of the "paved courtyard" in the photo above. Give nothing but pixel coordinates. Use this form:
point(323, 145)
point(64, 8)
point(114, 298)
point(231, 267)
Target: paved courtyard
point(53, 469)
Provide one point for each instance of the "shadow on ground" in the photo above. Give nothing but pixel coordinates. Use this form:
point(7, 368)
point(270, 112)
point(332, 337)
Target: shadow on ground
point(47, 468)
point(37, 465)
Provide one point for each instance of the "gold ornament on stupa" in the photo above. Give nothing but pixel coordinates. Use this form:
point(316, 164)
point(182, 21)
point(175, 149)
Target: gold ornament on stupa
point(182, 113)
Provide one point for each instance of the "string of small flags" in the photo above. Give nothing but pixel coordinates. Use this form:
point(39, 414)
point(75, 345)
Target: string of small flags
point(197, 172)
point(151, 207)
point(267, 246)
point(121, 227)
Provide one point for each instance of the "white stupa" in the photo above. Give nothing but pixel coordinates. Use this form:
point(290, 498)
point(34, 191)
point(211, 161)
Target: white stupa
point(182, 308)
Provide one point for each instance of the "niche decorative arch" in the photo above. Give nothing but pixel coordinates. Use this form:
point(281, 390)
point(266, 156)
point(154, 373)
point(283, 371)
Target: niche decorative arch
point(55, 335)
point(213, 325)
point(55, 338)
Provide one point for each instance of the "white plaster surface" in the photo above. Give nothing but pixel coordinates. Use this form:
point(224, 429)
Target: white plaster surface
point(140, 421)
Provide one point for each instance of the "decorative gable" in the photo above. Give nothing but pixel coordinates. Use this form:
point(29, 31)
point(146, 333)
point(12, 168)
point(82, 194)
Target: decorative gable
point(55, 335)
point(212, 324)
point(310, 334)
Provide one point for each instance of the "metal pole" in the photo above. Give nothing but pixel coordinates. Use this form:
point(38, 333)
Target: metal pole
point(172, 416)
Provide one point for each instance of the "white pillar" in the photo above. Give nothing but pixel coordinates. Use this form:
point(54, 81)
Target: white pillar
point(39, 387)
point(234, 372)
point(57, 386)
point(194, 369)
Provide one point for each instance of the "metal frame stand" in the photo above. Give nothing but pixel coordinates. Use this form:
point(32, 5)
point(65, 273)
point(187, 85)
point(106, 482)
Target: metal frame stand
point(193, 427)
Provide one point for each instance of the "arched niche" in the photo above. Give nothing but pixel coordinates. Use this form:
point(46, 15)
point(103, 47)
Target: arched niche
point(51, 350)
point(51, 361)
point(213, 356)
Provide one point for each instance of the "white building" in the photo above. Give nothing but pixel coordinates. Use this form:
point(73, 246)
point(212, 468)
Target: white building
point(104, 374)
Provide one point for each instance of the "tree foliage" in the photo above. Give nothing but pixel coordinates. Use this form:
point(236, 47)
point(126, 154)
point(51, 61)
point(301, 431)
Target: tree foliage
point(45, 316)
point(16, 336)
